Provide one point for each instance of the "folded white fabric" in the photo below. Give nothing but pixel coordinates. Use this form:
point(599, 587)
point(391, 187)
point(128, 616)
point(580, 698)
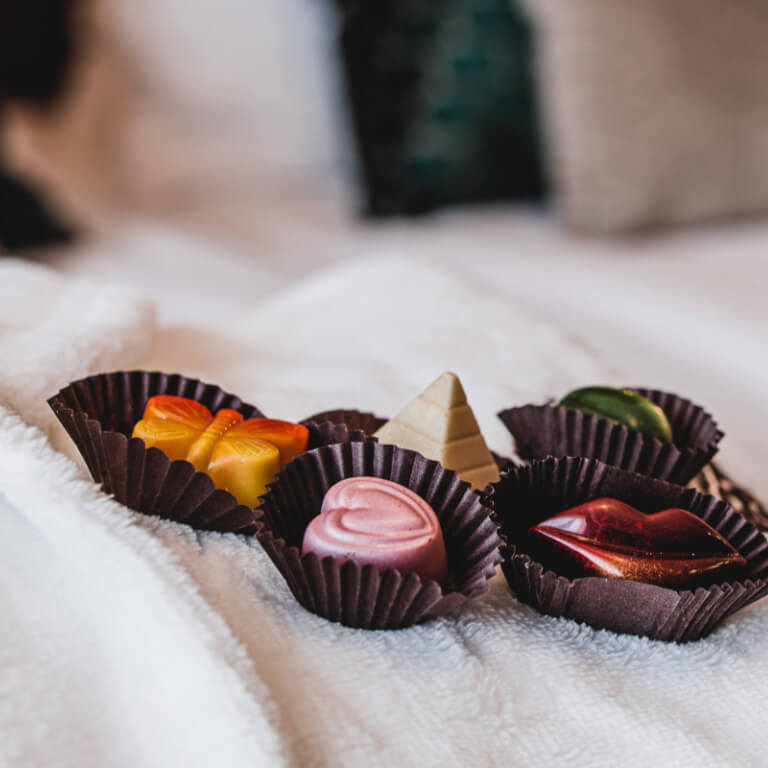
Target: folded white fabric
point(146, 675)
point(372, 334)
point(109, 655)
point(496, 684)
point(54, 329)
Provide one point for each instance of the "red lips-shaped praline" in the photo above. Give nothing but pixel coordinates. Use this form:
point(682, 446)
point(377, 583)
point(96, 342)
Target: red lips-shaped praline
point(377, 522)
point(605, 537)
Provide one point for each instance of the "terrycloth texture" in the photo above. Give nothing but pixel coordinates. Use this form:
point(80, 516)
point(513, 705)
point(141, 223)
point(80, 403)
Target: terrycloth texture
point(692, 323)
point(109, 656)
point(372, 335)
point(657, 110)
point(55, 329)
point(496, 684)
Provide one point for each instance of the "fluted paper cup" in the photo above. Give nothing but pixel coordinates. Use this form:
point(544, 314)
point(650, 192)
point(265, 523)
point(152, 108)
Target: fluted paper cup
point(554, 430)
point(363, 596)
point(529, 494)
point(99, 413)
point(368, 423)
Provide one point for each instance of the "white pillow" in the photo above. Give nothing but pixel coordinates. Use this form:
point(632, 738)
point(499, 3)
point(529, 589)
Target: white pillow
point(178, 104)
point(657, 111)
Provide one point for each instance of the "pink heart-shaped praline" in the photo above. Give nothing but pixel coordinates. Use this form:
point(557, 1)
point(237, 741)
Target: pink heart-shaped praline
point(374, 521)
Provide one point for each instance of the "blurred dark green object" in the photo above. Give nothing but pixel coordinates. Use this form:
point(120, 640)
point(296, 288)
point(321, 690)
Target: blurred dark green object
point(444, 102)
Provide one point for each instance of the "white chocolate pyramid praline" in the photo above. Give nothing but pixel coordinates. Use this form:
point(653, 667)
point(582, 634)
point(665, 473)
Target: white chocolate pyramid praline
point(440, 425)
point(374, 521)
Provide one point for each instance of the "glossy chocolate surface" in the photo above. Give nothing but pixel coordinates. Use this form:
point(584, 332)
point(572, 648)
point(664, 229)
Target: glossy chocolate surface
point(240, 456)
point(622, 406)
point(608, 538)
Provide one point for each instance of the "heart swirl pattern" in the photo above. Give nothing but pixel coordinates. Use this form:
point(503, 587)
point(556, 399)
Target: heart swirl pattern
point(377, 522)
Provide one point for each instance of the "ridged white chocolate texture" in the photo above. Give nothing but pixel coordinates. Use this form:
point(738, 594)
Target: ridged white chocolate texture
point(440, 425)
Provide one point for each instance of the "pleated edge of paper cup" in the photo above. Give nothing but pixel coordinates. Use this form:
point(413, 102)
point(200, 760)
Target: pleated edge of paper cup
point(368, 423)
point(340, 426)
point(693, 614)
point(113, 458)
point(362, 422)
point(621, 447)
point(422, 600)
point(714, 481)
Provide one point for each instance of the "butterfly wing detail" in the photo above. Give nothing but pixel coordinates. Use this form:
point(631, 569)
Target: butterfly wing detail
point(172, 424)
point(181, 410)
point(241, 458)
point(243, 465)
point(172, 437)
point(290, 439)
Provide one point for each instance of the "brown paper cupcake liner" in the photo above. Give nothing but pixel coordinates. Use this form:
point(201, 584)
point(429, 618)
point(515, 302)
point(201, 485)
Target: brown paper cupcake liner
point(99, 413)
point(529, 494)
point(368, 423)
point(553, 430)
point(716, 482)
point(366, 597)
point(354, 421)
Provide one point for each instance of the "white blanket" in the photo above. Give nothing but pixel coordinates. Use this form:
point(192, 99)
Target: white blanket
point(136, 641)
point(53, 328)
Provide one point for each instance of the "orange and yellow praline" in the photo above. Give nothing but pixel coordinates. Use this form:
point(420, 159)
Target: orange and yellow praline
point(241, 456)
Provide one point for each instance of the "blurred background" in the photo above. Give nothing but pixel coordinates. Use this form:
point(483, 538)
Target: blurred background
point(603, 163)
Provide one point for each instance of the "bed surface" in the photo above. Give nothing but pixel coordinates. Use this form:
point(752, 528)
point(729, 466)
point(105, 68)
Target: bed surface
point(227, 234)
point(164, 644)
point(681, 310)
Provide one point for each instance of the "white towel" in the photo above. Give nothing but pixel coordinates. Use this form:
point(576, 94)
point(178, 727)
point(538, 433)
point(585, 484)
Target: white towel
point(108, 653)
point(496, 684)
point(109, 656)
point(55, 329)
